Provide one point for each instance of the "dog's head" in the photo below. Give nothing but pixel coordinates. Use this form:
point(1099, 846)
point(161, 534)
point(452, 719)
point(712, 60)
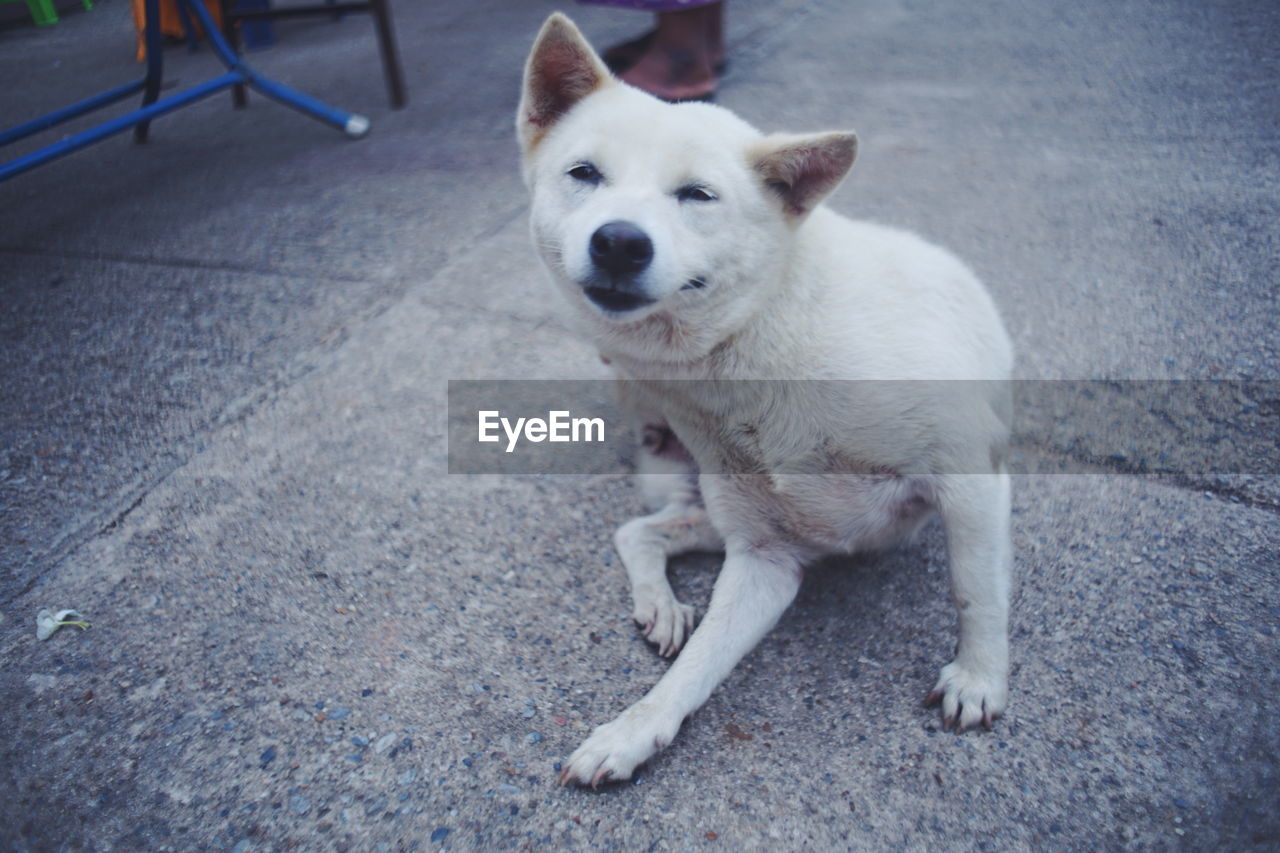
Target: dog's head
point(665, 224)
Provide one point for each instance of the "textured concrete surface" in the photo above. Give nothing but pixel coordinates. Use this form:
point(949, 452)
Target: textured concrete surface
point(222, 387)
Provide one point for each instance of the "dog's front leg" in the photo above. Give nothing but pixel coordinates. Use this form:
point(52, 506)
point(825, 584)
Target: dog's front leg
point(754, 588)
point(975, 511)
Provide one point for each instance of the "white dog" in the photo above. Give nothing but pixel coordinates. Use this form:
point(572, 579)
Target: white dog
point(690, 247)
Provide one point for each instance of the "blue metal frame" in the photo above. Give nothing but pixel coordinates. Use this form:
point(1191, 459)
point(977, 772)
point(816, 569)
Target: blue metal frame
point(237, 72)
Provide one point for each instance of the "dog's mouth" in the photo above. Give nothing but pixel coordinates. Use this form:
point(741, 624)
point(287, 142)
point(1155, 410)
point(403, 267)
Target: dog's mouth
point(622, 300)
point(617, 301)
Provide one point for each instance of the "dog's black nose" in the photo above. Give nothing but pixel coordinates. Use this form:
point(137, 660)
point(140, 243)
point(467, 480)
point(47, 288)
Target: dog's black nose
point(621, 248)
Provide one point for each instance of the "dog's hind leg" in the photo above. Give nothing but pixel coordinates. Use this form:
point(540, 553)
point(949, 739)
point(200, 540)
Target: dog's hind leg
point(644, 544)
point(753, 590)
point(668, 479)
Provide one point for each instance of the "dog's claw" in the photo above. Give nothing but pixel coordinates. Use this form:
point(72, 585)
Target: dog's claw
point(969, 698)
point(669, 629)
point(615, 749)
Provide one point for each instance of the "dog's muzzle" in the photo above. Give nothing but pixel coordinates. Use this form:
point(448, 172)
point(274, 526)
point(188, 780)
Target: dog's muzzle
point(619, 251)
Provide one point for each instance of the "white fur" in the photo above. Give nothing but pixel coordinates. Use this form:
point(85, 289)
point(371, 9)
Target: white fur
point(793, 291)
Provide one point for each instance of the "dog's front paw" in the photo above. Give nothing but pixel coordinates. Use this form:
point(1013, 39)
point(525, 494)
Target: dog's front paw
point(969, 695)
point(616, 749)
point(665, 621)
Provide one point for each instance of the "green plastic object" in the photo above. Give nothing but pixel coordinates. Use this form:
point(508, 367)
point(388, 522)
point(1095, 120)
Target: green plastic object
point(42, 11)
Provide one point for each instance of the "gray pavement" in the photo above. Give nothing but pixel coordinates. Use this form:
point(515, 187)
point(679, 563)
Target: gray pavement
point(222, 387)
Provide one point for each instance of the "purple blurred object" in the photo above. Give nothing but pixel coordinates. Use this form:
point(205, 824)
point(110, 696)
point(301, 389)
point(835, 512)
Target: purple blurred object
point(651, 5)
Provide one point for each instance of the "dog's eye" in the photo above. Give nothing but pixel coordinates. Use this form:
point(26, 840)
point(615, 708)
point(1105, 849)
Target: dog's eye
point(695, 192)
point(586, 173)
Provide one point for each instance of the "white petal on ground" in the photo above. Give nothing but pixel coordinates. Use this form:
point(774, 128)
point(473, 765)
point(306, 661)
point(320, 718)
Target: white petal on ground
point(47, 622)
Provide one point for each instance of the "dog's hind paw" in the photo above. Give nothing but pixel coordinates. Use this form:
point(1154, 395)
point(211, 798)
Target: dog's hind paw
point(616, 749)
point(665, 621)
point(968, 697)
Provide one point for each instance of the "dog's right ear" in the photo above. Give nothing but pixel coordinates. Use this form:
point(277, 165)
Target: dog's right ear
point(562, 70)
point(803, 170)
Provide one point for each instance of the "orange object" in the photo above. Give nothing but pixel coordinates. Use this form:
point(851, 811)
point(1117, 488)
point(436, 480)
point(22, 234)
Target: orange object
point(170, 21)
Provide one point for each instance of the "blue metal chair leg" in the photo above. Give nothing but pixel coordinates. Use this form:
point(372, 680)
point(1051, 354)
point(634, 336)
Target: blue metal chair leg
point(153, 106)
point(57, 117)
point(137, 118)
point(188, 28)
point(351, 124)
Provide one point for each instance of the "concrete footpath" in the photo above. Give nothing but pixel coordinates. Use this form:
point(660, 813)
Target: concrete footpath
point(223, 362)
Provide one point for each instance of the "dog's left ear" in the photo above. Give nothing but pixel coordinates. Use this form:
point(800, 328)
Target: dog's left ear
point(803, 170)
point(561, 71)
